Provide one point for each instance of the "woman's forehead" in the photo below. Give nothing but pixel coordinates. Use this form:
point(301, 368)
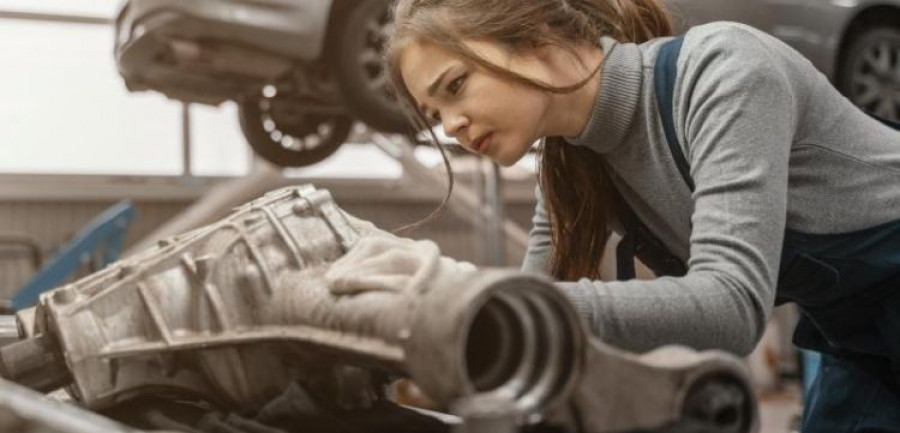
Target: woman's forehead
point(419, 57)
point(423, 58)
point(423, 62)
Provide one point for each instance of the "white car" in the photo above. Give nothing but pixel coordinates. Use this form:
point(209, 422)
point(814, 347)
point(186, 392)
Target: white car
point(301, 71)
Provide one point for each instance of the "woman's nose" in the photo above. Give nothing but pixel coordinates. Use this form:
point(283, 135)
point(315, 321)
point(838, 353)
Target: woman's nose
point(454, 125)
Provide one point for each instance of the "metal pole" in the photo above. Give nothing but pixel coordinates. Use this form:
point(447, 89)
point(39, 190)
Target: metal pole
point(55, 18)
point(481, 230)
point(494, 192)
point(186, 139)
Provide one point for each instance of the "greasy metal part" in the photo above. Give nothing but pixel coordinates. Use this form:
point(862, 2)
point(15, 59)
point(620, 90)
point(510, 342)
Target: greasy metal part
point(519, 340)
point(486, 414)
point(203, 313)
point(36, 363)
point(206, 312)
point(25, 322)
point(23, 410)
point(720, 402)
point(622, 392)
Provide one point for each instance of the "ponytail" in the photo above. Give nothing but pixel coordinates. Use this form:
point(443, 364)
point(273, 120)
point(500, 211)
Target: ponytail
point(577, 190)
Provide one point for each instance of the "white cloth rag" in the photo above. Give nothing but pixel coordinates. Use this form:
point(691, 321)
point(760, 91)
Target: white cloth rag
point(392, 264)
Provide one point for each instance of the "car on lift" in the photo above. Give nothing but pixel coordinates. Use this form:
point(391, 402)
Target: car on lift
point(301, 71)
point(855, 43)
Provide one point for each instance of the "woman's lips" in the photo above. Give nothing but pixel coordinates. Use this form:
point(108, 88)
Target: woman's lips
point(482, 144)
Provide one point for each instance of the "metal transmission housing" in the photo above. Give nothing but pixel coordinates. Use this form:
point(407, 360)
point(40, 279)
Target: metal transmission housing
point(235, 311)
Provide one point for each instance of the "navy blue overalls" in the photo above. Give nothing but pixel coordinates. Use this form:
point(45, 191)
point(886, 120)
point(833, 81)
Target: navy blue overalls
point(846, 285)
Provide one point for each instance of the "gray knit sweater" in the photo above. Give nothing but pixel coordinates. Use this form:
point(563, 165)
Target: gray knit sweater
point(771, 145)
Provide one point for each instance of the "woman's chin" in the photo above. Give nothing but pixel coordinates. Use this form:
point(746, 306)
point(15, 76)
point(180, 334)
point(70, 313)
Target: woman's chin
point(511, 156)
point(505, 163)
point(507, 160)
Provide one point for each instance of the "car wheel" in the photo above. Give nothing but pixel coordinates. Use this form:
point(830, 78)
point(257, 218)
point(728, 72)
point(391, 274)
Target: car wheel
point(357, 42)
point(870, 73)
point(282, 133)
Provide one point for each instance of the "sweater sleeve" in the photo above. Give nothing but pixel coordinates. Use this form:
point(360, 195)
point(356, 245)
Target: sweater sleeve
point(735, 108)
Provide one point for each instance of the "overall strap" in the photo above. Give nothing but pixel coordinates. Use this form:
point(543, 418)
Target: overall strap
point(664, 73)
point(891, 123)
point(639, 242)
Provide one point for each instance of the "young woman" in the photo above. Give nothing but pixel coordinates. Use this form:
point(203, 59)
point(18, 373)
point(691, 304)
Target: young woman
point(772, 187)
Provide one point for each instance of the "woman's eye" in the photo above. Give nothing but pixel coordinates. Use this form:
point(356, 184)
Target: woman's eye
point(456, 84)
point(436, 117)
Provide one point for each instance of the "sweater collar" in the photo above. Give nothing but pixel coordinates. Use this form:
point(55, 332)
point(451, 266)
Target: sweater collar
point(617, 98)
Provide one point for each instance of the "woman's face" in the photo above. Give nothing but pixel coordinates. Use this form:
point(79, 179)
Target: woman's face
point(486, 113)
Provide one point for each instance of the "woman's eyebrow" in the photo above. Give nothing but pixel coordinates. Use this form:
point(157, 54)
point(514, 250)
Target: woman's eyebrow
point(432, 88)
point(437, 83)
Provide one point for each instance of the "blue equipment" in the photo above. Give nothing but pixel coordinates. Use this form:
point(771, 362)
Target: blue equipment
point(99, 243)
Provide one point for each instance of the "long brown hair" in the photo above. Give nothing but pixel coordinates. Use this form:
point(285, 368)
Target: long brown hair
point(573, 180)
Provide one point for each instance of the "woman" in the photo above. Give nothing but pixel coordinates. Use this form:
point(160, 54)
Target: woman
point(786, 191)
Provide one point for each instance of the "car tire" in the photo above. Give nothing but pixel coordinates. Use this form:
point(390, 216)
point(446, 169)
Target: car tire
point(868, 74)
point(299, 140)
point(356, 42)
